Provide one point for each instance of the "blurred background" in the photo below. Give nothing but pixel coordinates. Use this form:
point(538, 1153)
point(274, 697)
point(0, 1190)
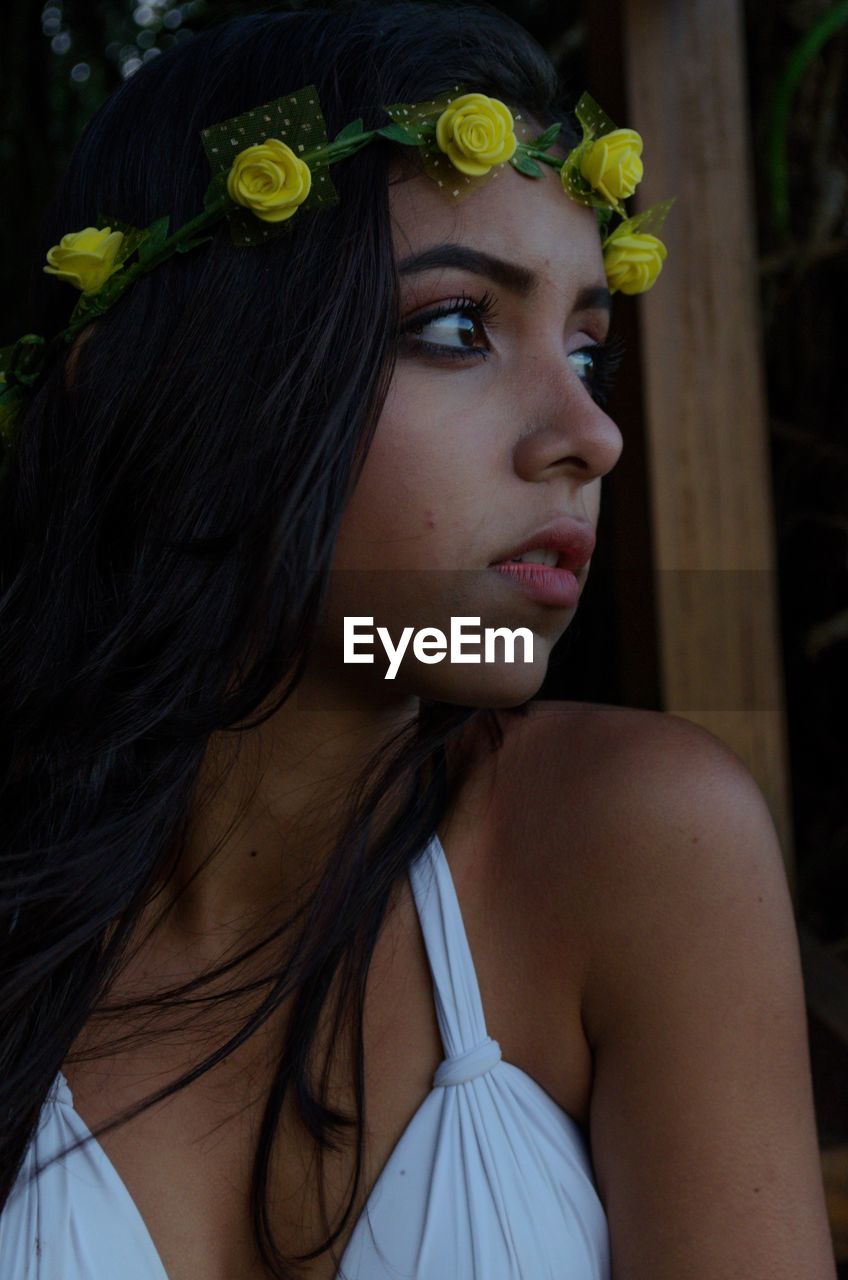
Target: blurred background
point(756, 109)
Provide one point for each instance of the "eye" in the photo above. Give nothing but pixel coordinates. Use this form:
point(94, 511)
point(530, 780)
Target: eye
point(597, 366)
point(473, 311)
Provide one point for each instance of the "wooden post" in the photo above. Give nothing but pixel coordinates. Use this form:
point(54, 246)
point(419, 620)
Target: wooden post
point(680, 64)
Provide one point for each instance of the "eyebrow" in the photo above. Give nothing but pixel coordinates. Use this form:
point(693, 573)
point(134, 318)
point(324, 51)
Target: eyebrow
point(519, 280)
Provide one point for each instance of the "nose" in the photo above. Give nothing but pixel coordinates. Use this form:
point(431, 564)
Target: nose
point(571, 434)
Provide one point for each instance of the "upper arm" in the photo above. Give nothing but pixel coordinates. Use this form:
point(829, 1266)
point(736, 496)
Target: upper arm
point(702, 1127)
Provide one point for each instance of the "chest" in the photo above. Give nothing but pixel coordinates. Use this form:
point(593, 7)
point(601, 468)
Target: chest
point(187, 1162)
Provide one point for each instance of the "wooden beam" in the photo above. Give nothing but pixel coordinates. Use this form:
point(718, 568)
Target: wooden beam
point(681, 64)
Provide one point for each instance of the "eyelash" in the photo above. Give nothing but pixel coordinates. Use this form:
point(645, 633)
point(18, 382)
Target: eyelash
point(480, 309)
point(606, 357)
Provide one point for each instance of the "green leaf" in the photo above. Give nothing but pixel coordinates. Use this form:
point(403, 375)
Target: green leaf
point(351, 130)
point(185, 245)
point(8, 419)
point(524, 164)
point(546, 138)
point(23, 361)
point(217, 187)
point(84, 306)
point(396, 133)
point(157, 234)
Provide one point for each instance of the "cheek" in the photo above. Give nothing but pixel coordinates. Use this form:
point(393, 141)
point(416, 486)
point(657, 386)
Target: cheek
point(420, 485)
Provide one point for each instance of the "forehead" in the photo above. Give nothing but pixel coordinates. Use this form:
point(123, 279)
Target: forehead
point(530, 221)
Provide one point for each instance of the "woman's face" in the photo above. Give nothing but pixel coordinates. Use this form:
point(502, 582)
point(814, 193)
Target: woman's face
point(487, 435)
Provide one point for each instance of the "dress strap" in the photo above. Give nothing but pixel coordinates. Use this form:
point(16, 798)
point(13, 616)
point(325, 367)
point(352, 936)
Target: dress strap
point(469, 1049)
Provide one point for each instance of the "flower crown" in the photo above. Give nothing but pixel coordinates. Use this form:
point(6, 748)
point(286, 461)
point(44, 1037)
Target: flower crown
point(274, 159)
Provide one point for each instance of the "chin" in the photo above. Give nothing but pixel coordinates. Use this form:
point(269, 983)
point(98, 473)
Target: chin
point(491, 684)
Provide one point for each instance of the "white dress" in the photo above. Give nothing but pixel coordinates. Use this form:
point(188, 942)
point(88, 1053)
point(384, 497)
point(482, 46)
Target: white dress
point(491, 1179)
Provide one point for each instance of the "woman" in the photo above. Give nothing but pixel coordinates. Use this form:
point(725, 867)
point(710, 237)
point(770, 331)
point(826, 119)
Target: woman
point(538, 958)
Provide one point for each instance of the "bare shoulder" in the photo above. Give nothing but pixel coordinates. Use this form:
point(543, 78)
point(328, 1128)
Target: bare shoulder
point(701, 1120)
point(572, 797)
point(643, 814)
point(600, 784)
point(654, 805)
point(614, 779)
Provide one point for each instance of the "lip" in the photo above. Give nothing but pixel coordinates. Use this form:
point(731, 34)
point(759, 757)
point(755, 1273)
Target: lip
point(573, 540)
point(543, 583)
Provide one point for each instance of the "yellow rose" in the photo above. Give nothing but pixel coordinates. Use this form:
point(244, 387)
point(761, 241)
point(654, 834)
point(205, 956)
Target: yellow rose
point(633, 261)
point(476, 132)
point(270, 180)
point(85, 258)
point(612, 166)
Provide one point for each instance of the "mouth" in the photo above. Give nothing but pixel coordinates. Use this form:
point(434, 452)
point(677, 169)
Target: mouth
point(563, 544)
point(544, 557)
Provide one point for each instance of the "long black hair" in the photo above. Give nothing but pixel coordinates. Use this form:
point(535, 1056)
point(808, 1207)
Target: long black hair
point(161, 504)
